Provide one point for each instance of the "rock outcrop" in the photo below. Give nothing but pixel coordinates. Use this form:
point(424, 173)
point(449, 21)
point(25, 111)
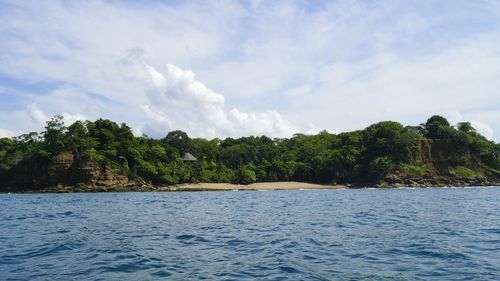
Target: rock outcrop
point(65, 172)
point(396, 180)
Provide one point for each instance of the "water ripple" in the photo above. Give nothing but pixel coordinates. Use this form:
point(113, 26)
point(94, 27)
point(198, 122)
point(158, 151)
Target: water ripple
point(411, 234)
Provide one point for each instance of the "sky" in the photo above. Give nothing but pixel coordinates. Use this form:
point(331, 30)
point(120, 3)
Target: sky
point(238, 68)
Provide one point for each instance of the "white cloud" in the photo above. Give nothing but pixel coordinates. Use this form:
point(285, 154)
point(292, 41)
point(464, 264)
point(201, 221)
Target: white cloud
point(482, 128)
point(72, 118)
point(269, 123)
point(40, 118)
point(36, 115)
point(72, 104)
point(6, 133)
point(394, 87)
point(177, 100)
point(334, 64)
point(158, 117)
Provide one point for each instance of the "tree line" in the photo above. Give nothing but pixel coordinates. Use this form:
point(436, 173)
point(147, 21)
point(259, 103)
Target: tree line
point(362, 156)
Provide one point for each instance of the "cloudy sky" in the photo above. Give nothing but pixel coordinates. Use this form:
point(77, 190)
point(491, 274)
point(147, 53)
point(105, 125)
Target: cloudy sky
point(232, 68)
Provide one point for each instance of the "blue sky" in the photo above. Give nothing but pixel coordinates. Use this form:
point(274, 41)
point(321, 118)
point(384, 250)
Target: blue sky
point(232, 68)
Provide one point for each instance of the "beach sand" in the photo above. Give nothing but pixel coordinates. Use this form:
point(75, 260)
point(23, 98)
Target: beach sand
point(254, 186)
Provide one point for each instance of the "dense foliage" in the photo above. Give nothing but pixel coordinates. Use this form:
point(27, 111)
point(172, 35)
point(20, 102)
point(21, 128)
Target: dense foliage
point(353, 157)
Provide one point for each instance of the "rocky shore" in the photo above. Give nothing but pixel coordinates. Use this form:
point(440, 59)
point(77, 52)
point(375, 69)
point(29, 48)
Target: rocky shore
point(134, 186)
point(437, 181)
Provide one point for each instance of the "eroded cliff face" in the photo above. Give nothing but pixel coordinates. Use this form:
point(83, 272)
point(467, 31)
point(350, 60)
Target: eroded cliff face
point(64, 171)
point(435, 156)
point(434, 152)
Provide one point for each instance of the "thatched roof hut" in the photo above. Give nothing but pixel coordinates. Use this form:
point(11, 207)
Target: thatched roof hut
point(189, 157)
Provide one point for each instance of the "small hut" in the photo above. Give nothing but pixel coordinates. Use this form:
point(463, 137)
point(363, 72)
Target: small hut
point(189, 157)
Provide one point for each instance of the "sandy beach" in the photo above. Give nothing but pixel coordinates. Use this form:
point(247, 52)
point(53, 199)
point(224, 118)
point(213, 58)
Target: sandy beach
point(255, 186)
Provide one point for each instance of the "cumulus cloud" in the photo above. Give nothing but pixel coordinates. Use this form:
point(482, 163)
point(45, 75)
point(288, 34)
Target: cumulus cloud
point(72, 118)
point(275, 62)
point(158, 117)
point(177, 100)
point(39, 117)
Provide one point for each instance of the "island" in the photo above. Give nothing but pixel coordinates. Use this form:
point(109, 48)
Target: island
point(101, 155)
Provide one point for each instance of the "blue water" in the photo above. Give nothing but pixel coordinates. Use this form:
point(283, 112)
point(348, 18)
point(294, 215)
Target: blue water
point(413, 234)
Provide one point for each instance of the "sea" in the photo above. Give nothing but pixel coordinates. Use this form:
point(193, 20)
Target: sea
point(346, 234)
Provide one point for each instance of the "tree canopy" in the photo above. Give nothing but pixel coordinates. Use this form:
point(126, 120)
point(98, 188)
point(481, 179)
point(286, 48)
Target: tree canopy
point(365, 155)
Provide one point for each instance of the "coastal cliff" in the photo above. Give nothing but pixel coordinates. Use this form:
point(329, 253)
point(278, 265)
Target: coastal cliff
point(64, 172)
point(430, 166)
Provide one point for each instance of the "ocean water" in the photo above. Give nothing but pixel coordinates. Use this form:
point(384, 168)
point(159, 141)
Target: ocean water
point(367, 234)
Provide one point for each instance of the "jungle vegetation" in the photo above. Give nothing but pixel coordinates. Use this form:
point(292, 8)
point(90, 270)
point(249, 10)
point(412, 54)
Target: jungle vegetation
point(366, 155)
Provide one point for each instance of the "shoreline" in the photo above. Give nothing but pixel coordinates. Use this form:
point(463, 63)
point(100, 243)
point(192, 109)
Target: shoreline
point(261, 186)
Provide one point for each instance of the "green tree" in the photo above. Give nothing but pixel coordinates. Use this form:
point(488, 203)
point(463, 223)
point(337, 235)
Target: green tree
point(380, 167)
point(466, 127)
point(78, 140)
point(54, 135)
point(179, 140)
point(437, 127)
